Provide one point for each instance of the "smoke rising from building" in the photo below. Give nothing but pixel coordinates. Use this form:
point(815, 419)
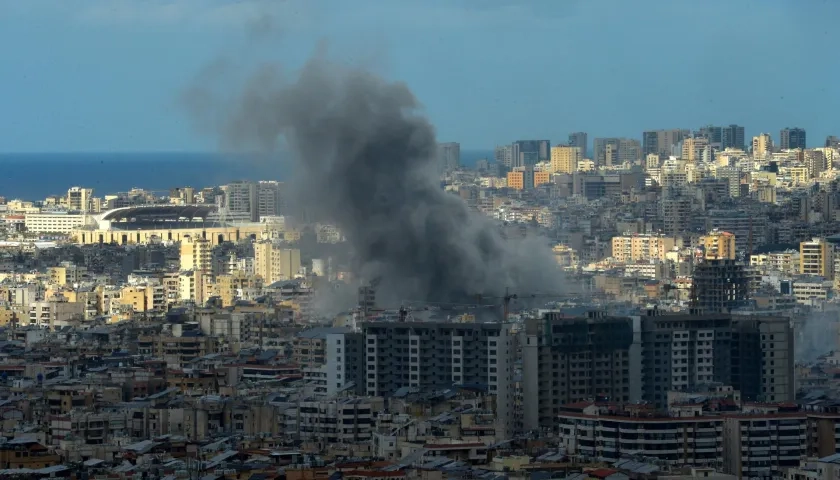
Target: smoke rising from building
point(364, 158)
point(816, 336)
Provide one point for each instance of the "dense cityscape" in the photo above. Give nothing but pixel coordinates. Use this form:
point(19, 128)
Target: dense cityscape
point(221, 332)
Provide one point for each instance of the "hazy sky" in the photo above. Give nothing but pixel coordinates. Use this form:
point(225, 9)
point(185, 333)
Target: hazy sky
point(102, 75)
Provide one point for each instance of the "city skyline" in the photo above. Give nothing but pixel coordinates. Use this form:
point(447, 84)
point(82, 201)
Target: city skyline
point(102, 105)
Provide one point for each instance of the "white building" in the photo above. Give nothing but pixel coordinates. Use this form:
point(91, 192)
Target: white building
point(53, 222)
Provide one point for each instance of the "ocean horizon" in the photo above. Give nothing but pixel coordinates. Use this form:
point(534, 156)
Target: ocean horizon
point(35, 176)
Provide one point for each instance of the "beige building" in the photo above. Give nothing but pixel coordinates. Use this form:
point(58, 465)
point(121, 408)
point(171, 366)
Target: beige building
point(145, 298)
point(695, 149)
point(237, 285)
point(215, 235)
point(274, 263)
point(719, 245)
point(196, 255)
point(55, 313)
point(80, 199)
point(66, 274)
point(634, 248)
point(798, 175)
point(565, 159)
point(762, 145)
point(816, 257)
point(192, 286)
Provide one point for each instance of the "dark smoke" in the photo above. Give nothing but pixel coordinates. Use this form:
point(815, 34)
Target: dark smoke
point(365, 159)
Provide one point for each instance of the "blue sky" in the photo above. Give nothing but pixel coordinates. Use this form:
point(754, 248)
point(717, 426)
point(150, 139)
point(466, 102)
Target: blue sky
point(104, 75)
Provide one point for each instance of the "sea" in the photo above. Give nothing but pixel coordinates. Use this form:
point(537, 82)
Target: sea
point(35, 176)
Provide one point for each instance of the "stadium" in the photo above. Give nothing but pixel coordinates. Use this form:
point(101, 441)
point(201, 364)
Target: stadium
point(142, 224)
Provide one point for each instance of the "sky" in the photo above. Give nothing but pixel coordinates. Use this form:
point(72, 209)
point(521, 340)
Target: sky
point(105, 75)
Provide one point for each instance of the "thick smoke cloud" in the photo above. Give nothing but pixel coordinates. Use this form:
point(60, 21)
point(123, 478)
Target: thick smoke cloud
point(365, 159)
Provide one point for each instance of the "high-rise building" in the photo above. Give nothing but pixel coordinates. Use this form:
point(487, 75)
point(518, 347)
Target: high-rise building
point(731, 136)
point(816, 257)
point(676, 215)
point(432, 355)
point(832, 141)
point(503, 155)
point(762, 145)
point(80, 199)
point(749, 353)
point(565, 159)
point(196, 255)
point(241, 197)
point(816, 162)
point(750, 229)
point(270, 199)
point(719, 286)
point(449, 156)
point(566, 360)
point(530, 152)
point(182, 195)
point(274, 263)
point(696, 150)
point(662, 142)
point(599, 149)
point(791, 138)
point(616, 151)
point(732, 176)
point(580, 140)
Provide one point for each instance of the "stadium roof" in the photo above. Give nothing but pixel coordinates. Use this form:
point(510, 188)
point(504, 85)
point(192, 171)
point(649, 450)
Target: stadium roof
point(159, 212)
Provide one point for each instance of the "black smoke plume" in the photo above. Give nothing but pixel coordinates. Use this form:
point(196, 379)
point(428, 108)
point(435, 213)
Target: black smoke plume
point(365, 159)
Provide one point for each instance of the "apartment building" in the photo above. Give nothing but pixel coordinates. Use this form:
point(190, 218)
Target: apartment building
point(719, 245)
point(177, 351)
point(196, 255)
point(571, 359)
point(592, 432)
point(80, 199)
point(764, 445)
point(565, 159)
point(437, 355)
point(55, 312)
point(270, 198)
point(808, 289)
point(641, 247)
point(331, 359)
point(682, 352)
point(343, 420)
point(749, 441)
point(568, 359)
point(816, 257)
point(274, 263)
point(241, 197)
